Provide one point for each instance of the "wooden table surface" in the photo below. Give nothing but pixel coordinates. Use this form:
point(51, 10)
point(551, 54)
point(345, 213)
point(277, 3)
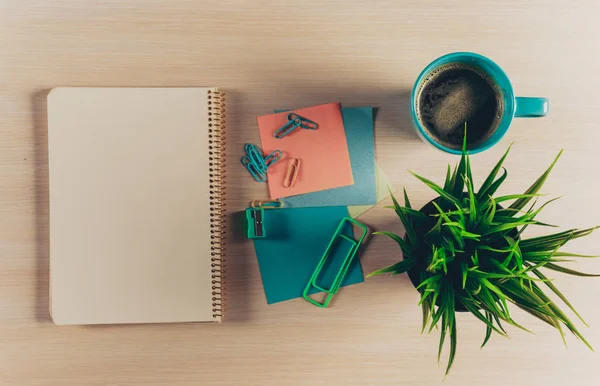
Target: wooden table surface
point(280, 54)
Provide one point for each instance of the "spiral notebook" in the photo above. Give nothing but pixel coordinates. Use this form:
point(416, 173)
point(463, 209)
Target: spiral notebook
point(136, 210)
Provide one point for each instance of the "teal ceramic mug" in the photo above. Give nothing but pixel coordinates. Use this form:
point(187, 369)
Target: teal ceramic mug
point(511, 106)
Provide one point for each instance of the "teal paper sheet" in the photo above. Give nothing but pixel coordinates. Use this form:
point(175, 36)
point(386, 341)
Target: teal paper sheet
point(358, 123)
point(294, 244)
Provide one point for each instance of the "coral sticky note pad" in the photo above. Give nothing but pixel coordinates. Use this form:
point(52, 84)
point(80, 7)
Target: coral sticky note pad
point(325, 161)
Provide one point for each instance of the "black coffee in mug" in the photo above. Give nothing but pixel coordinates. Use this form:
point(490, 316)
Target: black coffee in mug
point(455, 94)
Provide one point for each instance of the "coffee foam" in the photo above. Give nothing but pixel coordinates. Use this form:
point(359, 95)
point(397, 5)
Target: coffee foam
point(467, 94)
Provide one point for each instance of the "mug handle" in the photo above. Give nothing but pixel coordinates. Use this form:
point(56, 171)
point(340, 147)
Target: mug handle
point(529, 107)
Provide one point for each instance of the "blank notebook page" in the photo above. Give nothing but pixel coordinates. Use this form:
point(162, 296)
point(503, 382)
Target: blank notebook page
point(129, 205)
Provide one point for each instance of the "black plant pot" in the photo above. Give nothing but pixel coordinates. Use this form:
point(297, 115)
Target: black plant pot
point(430, 209)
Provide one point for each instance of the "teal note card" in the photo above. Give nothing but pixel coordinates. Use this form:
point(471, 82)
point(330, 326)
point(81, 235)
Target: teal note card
point(358, 123)
point(295, 242)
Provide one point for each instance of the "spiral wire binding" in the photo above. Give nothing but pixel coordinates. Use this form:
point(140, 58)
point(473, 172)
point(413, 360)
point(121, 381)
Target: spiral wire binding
point(216, 157)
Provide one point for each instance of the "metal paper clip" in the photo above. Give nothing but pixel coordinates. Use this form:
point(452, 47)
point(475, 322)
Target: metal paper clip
point(295, 121)
point(266, 204)
point(343, 271)
point(292, 173)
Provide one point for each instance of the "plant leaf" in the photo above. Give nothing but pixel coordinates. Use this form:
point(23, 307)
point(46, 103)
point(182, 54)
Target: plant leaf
point(560, 315)
point(488, 248)
point(557, 292)
point(415, 214)
point(410, 231)
point(520, 203)
point(455, 232)
point(442, 335)
point(429, 280)
point(469, 235)
point(468, 172)
point(406, 249)
point(448, 181)
point(453, 179)
point(490, 178)
point(531, 215)
point(454, 224)
point(543, 254)
point(464, 270)
point(514, 197)
point(437, 189)
point(550, 242)
point(471, 308)
point(435, 319)
point(458, 188)
point(453, 338)
point(516, 250)
point(495, 185)
point(399, 267)
point(472, 202)
point(426, 308)
point(406, 200)
point(558, 268)
point(427, 305)
point(506, 227)
point(488, 330)
point(491, 212)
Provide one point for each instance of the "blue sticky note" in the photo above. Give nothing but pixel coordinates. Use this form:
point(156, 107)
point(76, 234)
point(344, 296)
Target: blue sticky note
point(295, 241)
point(358, 123)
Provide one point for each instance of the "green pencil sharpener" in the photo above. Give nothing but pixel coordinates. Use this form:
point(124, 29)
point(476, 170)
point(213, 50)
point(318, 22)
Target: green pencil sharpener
point(256, 227)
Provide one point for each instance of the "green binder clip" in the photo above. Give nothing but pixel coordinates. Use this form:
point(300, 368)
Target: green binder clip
point(343, 271)
point(256, 227)
point(295, 121)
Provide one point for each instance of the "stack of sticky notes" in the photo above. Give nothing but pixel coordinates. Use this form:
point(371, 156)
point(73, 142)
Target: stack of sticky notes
point(336, 177)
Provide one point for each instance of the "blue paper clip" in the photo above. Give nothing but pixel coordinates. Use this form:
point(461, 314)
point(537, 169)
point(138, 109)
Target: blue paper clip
point(304, 123)
point(273, 157)
point(295, 121)
point(256, 165)
point(256, 157)
point(253, 170)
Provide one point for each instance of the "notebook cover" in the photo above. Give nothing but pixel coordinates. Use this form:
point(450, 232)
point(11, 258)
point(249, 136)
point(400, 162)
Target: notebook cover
point(358, 124)
point(325, 161)
point(129, 205)
point(295, 242)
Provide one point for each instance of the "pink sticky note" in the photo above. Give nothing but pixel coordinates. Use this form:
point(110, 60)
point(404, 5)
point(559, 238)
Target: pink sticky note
point(325, 162)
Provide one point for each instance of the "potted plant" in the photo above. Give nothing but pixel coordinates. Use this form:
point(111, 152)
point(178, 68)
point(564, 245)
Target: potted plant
point(465, 251)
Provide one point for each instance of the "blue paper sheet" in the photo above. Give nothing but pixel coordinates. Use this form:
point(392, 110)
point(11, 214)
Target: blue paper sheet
point(295, 241)
point(358, 123)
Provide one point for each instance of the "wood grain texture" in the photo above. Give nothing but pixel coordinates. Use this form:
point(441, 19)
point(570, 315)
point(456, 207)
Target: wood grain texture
point(280, 54)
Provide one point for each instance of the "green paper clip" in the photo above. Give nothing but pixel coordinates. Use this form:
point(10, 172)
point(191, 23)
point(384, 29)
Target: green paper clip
point(341, 274)
point(295, 121)
point(256, 227)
